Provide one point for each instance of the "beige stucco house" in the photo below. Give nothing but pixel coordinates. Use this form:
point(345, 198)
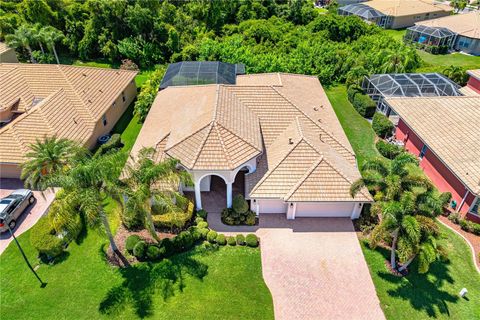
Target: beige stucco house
point(7, 54)
point(278, 131)
point(397, 14)
point(37, 100)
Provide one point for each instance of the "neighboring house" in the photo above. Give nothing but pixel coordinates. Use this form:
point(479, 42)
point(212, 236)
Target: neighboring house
point(201, 72)
point(457, 32)
point(473, 85)
point(7, 54)
point(37, 100)
point(396, 14)
point(279, 128)
point(396, 85)
point(445, 133)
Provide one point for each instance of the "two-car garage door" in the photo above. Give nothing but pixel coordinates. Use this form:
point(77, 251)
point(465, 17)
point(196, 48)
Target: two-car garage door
point(308, 209)
point(324, 209)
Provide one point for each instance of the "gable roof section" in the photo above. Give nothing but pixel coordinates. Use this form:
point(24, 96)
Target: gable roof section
point(474, 73)
point(399, 8)
point(65, 101)
point(450, 126)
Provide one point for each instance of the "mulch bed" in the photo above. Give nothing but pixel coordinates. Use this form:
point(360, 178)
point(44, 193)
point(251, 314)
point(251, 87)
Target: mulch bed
point(474, 240)
point(120, 238)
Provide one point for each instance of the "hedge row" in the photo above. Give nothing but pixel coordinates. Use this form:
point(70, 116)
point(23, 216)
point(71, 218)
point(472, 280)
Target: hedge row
point(174, 219)
point(466, 225)
point(44, 239)
point(382, 126)
point(361, 102)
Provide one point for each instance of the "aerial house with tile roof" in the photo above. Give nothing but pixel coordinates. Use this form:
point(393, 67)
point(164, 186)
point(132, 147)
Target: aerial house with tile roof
point(37, 100)
point(277, 133)
point(444, 132)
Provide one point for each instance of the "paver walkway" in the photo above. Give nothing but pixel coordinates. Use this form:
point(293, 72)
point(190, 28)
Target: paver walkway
point(315, 269)
point(31, 214)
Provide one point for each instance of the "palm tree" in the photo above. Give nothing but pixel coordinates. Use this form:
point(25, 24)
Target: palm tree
point(149, 184)
point(388, 180)
point(37, 35)
point(394, 63)
point(22, 38)
point(47, 158)
point(50, 36)
point(456, 73)
point(411, 234)
point(88, 184)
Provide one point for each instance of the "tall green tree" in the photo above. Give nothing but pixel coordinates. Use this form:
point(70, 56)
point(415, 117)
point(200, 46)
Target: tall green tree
point(50, 37)
point(22, 38)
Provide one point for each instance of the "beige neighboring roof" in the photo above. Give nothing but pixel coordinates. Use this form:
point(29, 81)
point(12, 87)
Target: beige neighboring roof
point(474, 73)
point(220, 127)
point(398, 8)
point(467, 91)
point(450, 126)
point(467, 24)
point(4, 47)
point(65, 101)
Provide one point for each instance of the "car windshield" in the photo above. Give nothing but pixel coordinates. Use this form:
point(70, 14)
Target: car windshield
point(5, 201)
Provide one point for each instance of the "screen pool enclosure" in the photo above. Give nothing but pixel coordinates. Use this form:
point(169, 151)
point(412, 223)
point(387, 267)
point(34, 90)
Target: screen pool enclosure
point(201, 72)
point(381, 86)
point(367, 13)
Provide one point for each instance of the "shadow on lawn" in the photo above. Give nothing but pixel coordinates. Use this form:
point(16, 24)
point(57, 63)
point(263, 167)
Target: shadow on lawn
point(423, 291)
point(143, 280)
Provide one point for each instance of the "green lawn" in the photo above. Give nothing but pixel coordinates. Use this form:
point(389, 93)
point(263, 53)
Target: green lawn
point(128, 127)
point(358, 130)
point(434, 295)
point(200, 284)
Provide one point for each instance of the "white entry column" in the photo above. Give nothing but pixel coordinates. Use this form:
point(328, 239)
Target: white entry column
point(229, 194)
point(198, 196)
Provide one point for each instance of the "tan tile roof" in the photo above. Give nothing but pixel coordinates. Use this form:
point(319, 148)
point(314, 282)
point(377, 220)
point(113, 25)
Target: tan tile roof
point(60, 100)
point(220, 127)
point(474, 73)
point(450, 126)
point(467, 91)
point(398, 8)
point(467, 24)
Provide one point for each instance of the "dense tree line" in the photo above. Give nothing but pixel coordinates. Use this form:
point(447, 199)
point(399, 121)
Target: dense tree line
point(266, 35)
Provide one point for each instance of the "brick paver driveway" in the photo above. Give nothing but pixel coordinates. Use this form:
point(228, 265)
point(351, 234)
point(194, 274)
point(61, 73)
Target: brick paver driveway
point(31, 214)
point(315, 269)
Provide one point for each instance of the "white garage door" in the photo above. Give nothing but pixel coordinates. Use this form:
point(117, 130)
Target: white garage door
point(272, 206)
point(324, 209)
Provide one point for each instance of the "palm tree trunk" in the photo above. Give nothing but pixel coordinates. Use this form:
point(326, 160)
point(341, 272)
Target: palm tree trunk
point(106, 225)
point(406, 264)
point(393, 262)
point(31, 54)
point(151, 225)
point(41, 47)
point(55, 53)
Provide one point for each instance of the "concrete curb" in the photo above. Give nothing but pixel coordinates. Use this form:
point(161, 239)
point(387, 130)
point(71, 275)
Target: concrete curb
point(468, 242)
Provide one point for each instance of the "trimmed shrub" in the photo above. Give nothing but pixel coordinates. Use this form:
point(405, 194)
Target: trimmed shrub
point(194, 231)
point(115, 142)
point(251, 240)
point(388, 150)
point(202, 225)
point(155, 253)
point(203, 232)
point(131, 242)
point(172, 219)
point(382, 126)
point(352, 91)
point(198, 220)
point(251, 218)
point(240, 239)
point(168, 245)
point(239, 204)
point(211, 236)
point(221, 240)
point(364, 105)
point(476, 228)
point(445, 198)
point(44, 239)
point(202, 214)
point(140, 249)
point(231, 241)
point(454, 217)
point(183, 241)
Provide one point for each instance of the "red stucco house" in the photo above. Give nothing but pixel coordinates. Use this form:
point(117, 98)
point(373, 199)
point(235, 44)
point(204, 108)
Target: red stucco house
point(445, 133)
point(474, 80)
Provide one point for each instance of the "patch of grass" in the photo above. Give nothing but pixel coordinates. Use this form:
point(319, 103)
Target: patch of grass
point(217, 284)
point(433, 295)
point(129, 127)
point(395, 34)
point(358, 130)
